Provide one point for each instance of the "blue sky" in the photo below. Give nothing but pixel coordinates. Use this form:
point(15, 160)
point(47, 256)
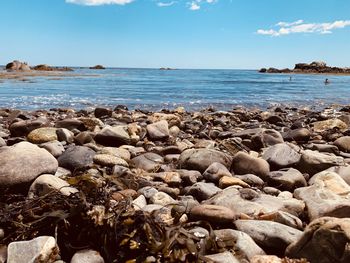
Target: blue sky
point(242, 34)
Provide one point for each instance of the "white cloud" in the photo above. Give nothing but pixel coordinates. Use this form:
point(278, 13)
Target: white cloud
point(99, 2)
point(196, 4)
point(301, 27)
point(164, 4)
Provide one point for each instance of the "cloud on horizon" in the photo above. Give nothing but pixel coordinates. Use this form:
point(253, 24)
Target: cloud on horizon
point(299, 26)
point(166, 4)
point(99, 2)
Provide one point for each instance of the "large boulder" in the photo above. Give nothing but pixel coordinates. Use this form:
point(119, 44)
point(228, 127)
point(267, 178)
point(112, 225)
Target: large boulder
point(23, 162)
point(201, 159)
point(324, 240)
point(17, 66)
point(282, 155)
point(113, 136)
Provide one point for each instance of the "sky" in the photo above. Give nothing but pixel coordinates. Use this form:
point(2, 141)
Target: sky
point(210, 34)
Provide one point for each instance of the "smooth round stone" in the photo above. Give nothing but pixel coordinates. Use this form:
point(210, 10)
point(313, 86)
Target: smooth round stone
point(76, 157)
point(158, 130)
point(282, 155)
point(163, 199)
point(119, 152)
point(215, 172)
point(109, 160)
point(213, 213)
point(42, 135)
point(227, 181)
point(243, 163)
point(87, 256)
point(54, 147)
point(343, 143)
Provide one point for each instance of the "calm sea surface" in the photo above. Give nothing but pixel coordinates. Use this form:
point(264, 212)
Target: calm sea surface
point(156, 89)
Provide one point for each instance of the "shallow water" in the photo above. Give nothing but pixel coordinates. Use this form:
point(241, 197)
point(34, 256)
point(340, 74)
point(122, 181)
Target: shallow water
point(156, 89)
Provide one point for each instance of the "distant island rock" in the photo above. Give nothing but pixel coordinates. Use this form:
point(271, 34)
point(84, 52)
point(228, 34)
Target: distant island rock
point(316, 67)
point(167, 69)
point(97, 67)
point(44, 67)
point(23, 66)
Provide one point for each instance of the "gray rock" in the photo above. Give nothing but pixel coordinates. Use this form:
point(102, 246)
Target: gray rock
point(266, 138)
point(23, 162)
point(189, 177)
point(251, 179)
point(201, 159)
point(149, 162)
point(158, 130)
point(282, 155)
point(269, 234)
point(62, 172)
point(147, 191)
point(65, 135)
point(216, 171)
point(203, 191)
point(324, 240)
point(40, 249)
point(284, 218)
point(87, 256)
point(47, 183)
point(243, 244)
point(243, 163)
point(223, 257)
point(113, 136)
point(55, 148)
point(214, 214)
point(76, 157)
point(286, 179)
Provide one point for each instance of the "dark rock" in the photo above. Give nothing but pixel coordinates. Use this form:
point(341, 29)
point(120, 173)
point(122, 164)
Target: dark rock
point(286, 179)
point(282, 155)
point(113, 136)
point(243, 163)
point(76, 157)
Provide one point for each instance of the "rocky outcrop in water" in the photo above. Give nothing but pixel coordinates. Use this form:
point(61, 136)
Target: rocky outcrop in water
point(312, 68)
point(17, 66)
point(97, 67)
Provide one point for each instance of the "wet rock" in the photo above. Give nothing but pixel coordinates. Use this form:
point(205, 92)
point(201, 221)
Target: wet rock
point(42, 135)
point(158, 130)
point(55, 148)
point(243, 163)
point(201, 159)
point(215, 171)
point(24, 162)
point(298, 135)
point(321, 126)
point(223, 257)
point(269, 234)
point(282, 155)
point(87, 256)
point(313, 162)
point(286, 179)
point(40, 249)
point(324, 240)
point(149, 162)
point(76, 157)
point(213, 214)
point(109, 160)
point(203, 191)
point(343, 143)
point(47, 183)
point(113, 136)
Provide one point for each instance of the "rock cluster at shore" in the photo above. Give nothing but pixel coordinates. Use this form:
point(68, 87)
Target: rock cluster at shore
point(23, 66)
point(112, 185)
point(312, 68)
point(97, 67)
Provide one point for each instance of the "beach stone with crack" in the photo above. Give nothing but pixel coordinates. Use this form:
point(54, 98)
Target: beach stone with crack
point(214, 214)
point(223, 257)
point(149, 162)
point(282, 155)
point(109, 160)
point(158, 130)
point(113, 136)
point(203, 191)
point(243, 244)
point(215, 172)
point(321, 126)
point(42, 135)
point(244, 163)
point(201, 159)
point(327, 195)
point(253, 203)
point(87, 256)
point(343, 143)
point(313, 162)
point(269, 234)
point(298, 135)
point(54, 147)
point(40, 249)
point(23, 162)
point(47, 183)
point(266, 138)
point(286, 179)
point(76, 157)
point(324, 240)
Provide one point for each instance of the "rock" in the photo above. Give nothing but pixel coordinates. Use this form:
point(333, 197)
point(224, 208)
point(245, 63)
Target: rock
point(149, 162)
point(189, 177)
point(158, 130)
point(201, 159)
point(113, 136)
point(269, 234)
point(214, 214)
point(2, 142)
point(118, 152)
point(124, 194)
point(286, 179)
point(227, 181)
point(223, 257)
point(91, 124)
point(22, 128)
point(343, 143)
point(109, 160)
point(42, 135)
point(47, 183)
point(203, 191)
point(76, 157)
point(249, 202)
point(87, 256)
point(70, 124)
point(44, 67)
point(266, 138)
point(172, 179)
point(62, 172)
point(243, 163)
point(3, 253)
point(139, 203)
point(324, 240)
point(298, 135)
point(283, 218)
point(84, 138)
point(313, 162)
point(23, 162)
point(268, 259)
point(251, 179)
point(17, 66)
point(64, 135)
point(102, 112)
point(54, 147)
point(215, 171)
point(327, 195)
point(343, 171)
point(321, 126)
point(40, 249)
point(97, 67)
point(282, 155)
point(243, 244)
point(162, 199)
point(172, 119)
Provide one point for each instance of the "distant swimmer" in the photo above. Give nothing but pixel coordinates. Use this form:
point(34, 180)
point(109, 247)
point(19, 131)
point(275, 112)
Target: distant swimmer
point(290, 78)
point(327, 81)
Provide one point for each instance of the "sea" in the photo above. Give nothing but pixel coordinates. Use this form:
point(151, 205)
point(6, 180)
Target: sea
point(155, 89)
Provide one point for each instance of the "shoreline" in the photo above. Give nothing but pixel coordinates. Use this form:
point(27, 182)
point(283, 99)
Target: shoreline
point(33, 73)
point(137, 176)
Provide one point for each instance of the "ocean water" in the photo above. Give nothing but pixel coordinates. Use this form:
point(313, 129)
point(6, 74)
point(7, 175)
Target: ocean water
point(156, 89)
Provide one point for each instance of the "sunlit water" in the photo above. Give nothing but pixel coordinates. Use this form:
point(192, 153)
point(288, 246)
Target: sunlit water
point(157, 89)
